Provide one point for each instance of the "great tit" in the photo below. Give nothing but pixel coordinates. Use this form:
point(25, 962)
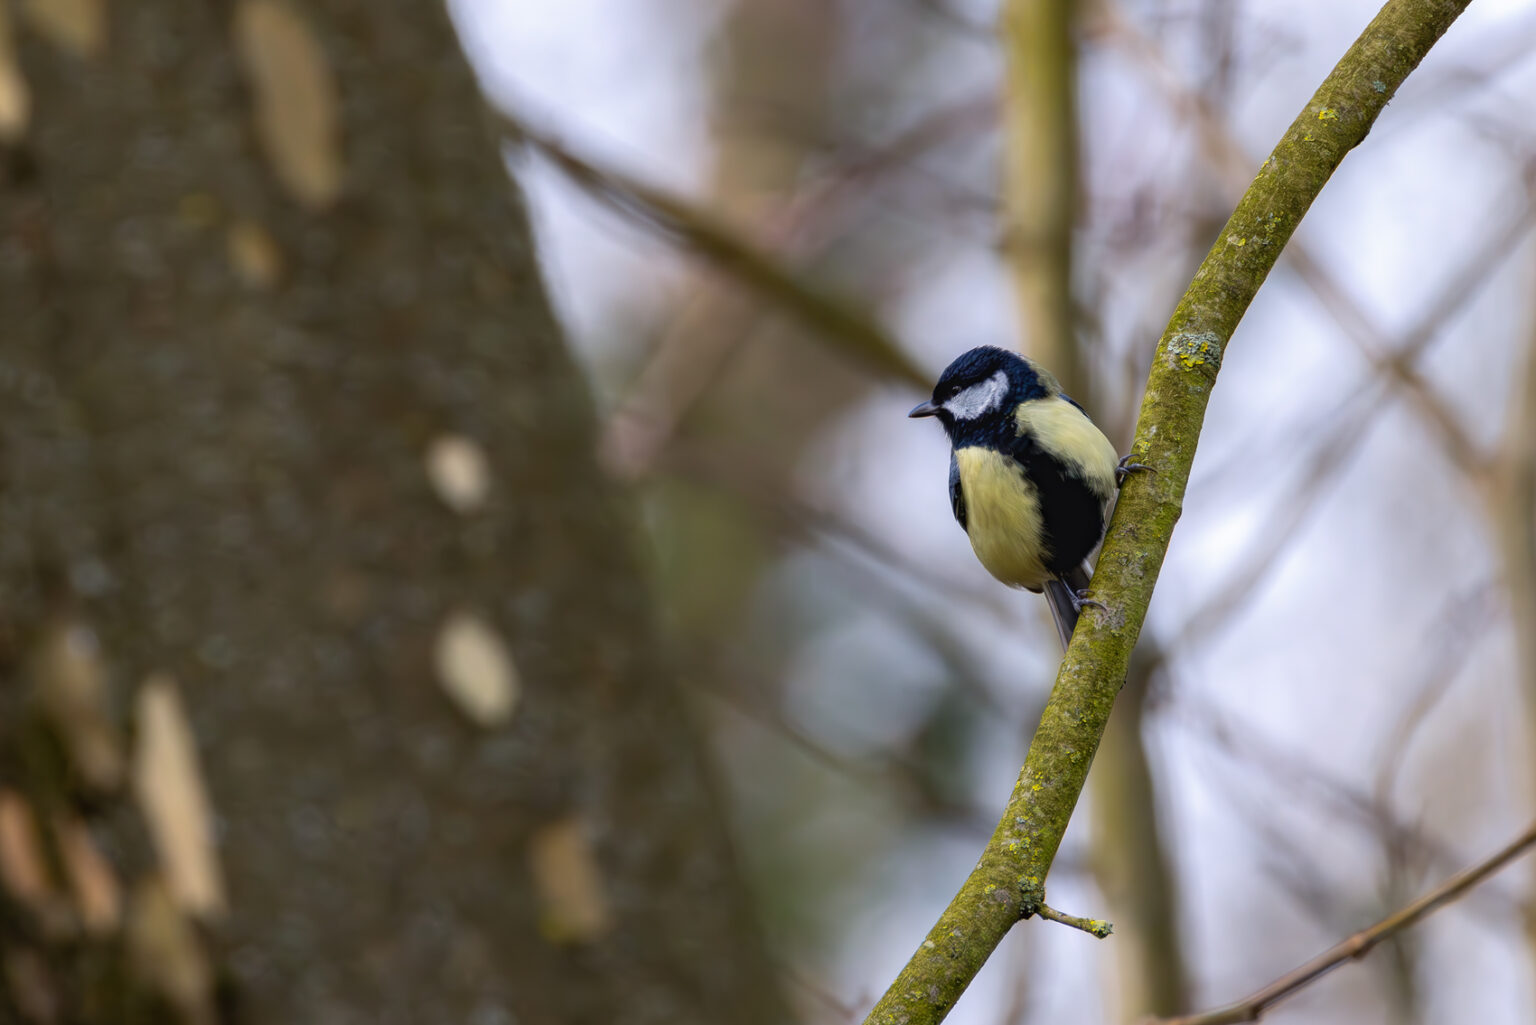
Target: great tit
point(1030, 476)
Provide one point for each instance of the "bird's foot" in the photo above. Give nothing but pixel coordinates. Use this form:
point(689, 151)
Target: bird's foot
point(1125, 468)
point(1081, 601)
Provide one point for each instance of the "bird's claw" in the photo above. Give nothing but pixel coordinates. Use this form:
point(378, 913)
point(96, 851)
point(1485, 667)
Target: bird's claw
point(1125, 468)
point(1081, 601)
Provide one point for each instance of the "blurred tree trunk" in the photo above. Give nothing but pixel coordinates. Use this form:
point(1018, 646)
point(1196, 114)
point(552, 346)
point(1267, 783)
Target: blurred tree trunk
point(1040, 176)
point(289, 427)
point(1132, 868)
point(1513, 512)
point(1040, 194)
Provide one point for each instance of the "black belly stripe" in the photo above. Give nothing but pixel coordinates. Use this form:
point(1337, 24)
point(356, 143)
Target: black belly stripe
point(1072, 514)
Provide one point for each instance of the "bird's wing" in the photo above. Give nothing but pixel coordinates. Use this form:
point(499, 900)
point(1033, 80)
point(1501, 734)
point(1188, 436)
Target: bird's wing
point(956, 495)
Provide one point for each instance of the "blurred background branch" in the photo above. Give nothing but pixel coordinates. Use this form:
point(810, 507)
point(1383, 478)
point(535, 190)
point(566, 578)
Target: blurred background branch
point(843, 325)
point(1353, 948)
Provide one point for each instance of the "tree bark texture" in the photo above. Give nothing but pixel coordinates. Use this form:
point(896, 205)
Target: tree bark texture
point(228, 370)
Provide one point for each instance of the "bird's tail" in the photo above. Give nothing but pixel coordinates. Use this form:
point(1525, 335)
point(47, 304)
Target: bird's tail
point(1060, 594)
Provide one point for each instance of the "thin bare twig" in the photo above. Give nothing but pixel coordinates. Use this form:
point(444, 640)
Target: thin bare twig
point(1093, 926)
point(1361, 943)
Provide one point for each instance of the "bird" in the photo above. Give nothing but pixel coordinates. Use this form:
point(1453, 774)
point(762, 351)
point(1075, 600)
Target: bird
point(1030, 475)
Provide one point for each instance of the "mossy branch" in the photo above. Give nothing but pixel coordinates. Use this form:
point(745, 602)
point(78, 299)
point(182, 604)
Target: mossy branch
point(1021, 850)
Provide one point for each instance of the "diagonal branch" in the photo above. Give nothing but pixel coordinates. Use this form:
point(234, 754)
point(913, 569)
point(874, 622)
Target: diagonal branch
point(840, 323)
point(1006, 883)
point(1361, 943)
point(1351, 419)
point(1231, 162)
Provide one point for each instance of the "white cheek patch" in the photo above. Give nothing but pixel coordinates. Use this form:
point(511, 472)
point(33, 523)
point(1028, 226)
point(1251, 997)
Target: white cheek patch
point(979, 398)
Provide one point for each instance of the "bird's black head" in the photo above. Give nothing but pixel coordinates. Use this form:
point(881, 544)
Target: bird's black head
point(979, 391)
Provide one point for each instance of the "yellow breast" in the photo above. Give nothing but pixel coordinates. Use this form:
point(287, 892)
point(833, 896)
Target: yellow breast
point(1066, 432)
point(1002, 514)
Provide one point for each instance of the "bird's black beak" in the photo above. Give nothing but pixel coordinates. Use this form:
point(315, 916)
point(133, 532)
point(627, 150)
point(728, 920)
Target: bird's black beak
point(924, 409)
